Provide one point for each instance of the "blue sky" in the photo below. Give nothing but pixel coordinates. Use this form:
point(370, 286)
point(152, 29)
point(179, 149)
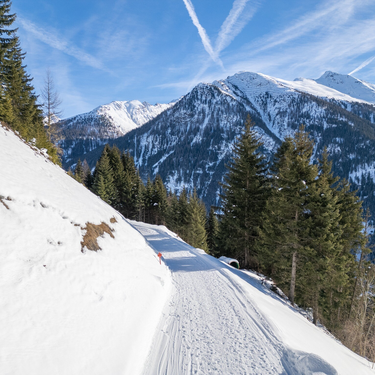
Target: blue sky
point(158, 50)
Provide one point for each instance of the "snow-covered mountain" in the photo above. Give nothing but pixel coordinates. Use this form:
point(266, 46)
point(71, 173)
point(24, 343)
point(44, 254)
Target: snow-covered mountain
point(189, 143)
point(70, 311)
point(85, 132)
point(349, 85)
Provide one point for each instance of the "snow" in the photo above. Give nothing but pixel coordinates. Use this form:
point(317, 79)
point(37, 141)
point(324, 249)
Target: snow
point(220, 320)
point(63, 311)
point(118, 311)
point(349, 85)
point(122, 116)
point(254, 84)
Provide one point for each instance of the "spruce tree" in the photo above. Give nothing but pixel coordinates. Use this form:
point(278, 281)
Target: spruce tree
point(118, 175)
point(244, 198)
point(212, 229)
point(285, 230)
point(183, 215)
point(196, 232)
point(18, 102)
point(103, 184)
point(78, 172)
point(160, 200)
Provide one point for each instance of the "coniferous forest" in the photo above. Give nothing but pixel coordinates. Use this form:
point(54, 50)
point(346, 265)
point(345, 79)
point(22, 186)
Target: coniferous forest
point(18, 102)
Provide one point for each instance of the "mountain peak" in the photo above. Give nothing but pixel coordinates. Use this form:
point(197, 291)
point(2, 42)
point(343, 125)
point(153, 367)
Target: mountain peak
point(348, 85)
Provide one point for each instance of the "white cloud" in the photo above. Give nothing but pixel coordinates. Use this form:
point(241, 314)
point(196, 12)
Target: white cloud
point(328, 16)
point(60, 44)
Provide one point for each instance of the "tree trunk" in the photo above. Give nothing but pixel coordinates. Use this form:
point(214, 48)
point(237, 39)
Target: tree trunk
point(293, 278)
point(315, 309)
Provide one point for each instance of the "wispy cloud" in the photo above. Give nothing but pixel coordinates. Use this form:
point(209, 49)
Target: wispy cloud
point(313, 56)
point(364, 64)
point(328, 16)
point(202, 32)
point(237, 19)
point(60, 44)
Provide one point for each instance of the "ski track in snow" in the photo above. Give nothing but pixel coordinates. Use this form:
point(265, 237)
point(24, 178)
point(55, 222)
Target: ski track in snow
point(215, 329)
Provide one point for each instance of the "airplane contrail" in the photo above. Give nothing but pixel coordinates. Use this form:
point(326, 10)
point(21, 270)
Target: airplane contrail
point(365, 63)
point(202, 32)
point(233, 24)
point(231, 27)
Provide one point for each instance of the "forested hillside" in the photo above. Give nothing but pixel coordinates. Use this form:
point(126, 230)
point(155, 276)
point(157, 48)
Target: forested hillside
point(18, 101)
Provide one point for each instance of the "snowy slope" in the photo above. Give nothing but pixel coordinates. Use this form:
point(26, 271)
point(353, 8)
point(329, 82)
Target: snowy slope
point(220, 320)
point(348, 85)
point(63, 311)
point(120, 116)
point(85, 132)
point(255, 84)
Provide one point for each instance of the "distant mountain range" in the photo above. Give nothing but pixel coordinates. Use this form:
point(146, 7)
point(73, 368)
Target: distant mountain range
point(188, 142)
point(87, 131)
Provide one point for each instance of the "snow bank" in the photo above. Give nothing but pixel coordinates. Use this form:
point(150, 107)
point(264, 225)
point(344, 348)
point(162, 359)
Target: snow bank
point(63, 311)
point(232, 262)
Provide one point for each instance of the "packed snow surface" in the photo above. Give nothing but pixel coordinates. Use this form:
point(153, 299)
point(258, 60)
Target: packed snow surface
point(119, 311)
point(220, 320)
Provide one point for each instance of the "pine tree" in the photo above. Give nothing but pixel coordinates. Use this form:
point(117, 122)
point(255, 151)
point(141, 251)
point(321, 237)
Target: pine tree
point(244, 198)
point(133, 191)
point(285, 230)
point(118, 175)
point(321, 259)
point(103, 179)
point(160, 200)
point(18, 103)
point(183, 215)
point(196, 231)
point(212, 229)
point(172, 212)
point(78, 172)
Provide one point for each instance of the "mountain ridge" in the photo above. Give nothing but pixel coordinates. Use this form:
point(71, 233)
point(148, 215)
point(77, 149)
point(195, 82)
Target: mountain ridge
point(190, 143)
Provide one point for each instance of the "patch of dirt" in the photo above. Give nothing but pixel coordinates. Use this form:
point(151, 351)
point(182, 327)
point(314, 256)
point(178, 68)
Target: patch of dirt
point(94, 231)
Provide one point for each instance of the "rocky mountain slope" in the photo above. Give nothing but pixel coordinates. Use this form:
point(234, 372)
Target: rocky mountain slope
point(85, 132)
point(189, 143)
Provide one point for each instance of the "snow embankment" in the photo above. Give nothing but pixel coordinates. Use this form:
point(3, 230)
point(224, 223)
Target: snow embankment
point(64, 311)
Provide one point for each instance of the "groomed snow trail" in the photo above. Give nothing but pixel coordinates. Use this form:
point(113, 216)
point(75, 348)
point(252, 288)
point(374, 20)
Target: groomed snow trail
point(210, 325)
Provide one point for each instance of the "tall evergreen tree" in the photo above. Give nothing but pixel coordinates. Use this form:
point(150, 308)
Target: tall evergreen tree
point(18, 102)
point(103, 179)
point(78, 172)
point(118, 176)
point(212, 229)
point(160, 200)
point(244, 198)
point(196, 228)
point(285, 230)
